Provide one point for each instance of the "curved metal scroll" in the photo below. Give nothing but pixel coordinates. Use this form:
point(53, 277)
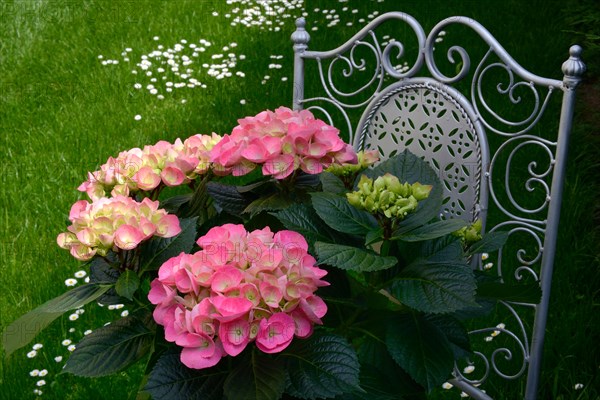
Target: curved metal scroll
point(507, 359)
point(529, 82)
point(346, 60)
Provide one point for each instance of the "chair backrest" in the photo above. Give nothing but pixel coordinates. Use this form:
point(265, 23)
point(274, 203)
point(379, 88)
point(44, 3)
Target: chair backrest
point(451, 120)
point(438, 123)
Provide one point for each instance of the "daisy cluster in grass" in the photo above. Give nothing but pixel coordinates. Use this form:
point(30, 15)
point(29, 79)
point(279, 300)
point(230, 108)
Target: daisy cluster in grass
point(168, 68)
point(241, 287)
point(49, 360)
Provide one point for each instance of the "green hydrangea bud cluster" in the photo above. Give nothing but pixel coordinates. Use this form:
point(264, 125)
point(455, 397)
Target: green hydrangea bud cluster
point(366, 158)
point(470, 234)
point(386, 195)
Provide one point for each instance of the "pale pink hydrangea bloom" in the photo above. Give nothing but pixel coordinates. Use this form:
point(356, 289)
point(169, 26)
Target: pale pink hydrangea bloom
point(241, 287)
point(114, 223)
point(281, 141)
point(145, 169)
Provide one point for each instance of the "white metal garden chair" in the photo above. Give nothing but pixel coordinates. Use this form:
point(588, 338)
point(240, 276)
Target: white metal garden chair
point(447, 119)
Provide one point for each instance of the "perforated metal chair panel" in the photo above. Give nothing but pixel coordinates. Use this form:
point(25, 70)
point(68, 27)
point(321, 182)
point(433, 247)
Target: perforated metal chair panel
point(471, 145)
point(427, 118)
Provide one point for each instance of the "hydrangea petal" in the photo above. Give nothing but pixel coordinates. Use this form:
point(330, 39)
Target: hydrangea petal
point(234, 336)
point(195, 357)
point(276, 333)
point(127, 237)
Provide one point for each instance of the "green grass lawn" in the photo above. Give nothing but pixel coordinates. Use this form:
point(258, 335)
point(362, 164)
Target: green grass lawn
point(64, 109)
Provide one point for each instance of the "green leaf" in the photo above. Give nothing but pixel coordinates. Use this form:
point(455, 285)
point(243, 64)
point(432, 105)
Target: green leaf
point(253, 186)
point(455, 332)
point(200, 204)
point(307, 181)
point(275, 201)
point(173, 204)
point(484, 305)
point(491, 241)
point(321, 366)
point(375, 385)
point(407, 167)
point(102, 272)
point(373, 236)
point(332, 184)
point(172, 380)
point(302, 218)
point(228, 198)
point(434, 287)
point(378, 369)
point(352, 258)
point(25, 328)
point(244, 180)
point(341, 216)
point(420, 348)
point(427, 210)
point(158, 250)
point(444, 249)
point(431, 231)
point(113, 347)
point(127, 284)
point(259, 378)
point(518, 292)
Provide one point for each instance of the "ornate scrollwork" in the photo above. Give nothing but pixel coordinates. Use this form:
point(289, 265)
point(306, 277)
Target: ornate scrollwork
point(379, 63)
point(487, 363)
point(465, 62)
point(525, 258)
point(480, 104)
point(329, 85)
point(536, 178)
point(507, 63)
point(390, 68)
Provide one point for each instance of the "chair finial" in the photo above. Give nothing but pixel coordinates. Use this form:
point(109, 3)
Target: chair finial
point(300, 35)
point(573, 68)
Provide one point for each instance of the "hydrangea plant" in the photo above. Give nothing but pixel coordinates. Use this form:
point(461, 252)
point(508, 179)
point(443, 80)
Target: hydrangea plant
point(293, 267)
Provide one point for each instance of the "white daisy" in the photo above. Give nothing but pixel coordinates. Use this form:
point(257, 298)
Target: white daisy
point(71, 282)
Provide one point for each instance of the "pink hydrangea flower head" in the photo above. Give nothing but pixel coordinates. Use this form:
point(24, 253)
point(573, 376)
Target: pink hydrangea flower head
point(281, 141)
point(241, 287)
point(147, 169)
point(118, 223)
